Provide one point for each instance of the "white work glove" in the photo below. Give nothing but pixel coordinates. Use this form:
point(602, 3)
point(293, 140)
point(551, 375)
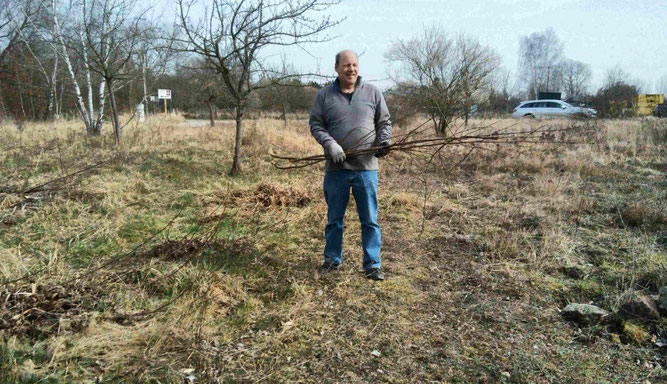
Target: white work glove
point(335, 151)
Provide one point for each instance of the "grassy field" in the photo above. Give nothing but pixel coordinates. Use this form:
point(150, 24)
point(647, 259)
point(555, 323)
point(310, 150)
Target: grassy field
point(147, 263)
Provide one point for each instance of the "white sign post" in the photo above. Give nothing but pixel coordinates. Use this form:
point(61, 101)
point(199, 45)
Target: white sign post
point(164, 94)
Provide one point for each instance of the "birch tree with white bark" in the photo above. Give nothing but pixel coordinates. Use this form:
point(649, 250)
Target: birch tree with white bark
point(540, 57)
point(102, 36)
point(68, 31)
point(40, 46)
point(111, 35)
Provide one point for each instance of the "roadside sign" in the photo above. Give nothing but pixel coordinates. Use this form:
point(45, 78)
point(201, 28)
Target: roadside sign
point(164, 94)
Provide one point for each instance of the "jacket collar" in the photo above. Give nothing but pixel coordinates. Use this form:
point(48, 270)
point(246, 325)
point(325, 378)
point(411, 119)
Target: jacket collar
point(356, 85)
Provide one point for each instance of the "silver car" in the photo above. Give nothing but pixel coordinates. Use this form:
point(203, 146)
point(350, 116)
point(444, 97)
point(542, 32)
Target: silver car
point(550, 108)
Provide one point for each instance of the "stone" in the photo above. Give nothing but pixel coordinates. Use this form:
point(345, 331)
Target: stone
point(641, 306)
point(662, 301)
point(584, 314)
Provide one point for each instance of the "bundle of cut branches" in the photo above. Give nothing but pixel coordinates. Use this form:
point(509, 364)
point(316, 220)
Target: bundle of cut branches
point(473, 138)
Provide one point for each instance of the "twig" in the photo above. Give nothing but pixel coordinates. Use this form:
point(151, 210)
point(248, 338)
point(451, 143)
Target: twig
point(496, 137)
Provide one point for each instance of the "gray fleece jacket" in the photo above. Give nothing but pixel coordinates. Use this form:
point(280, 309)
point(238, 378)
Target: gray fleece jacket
point(357, 123)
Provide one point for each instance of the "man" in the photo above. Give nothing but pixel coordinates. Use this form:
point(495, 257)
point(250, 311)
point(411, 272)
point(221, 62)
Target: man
point(347, 115)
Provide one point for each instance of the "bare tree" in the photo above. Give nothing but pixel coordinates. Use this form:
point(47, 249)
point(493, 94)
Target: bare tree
point(207, 88)
point(575, 78)
point(618, 75)
point(615, 98)
point(15, 16)
point(540, 57)
point(68, 30)
point(152, 55)
point(44, 52)
point(232, 35)
point(503, 92)
point(101, 35)
point(439, 75)
point(112, 32)
point(615, 76)
point(286, 94)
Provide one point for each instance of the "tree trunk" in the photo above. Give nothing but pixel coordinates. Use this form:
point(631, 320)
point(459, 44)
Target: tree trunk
point(100, 107)
point(48, 113)
point(441, 126)
point(80, 105)
point(284, 114)
point(236, 163)
point(210, 113)
point(34, 111)
point(54, 85)
point(59, 105)
point(130, 96)
point(25, 116)
point(144, 101)
point(114, 113)
point(52, 94)
point(467, 114)
point(89, 87)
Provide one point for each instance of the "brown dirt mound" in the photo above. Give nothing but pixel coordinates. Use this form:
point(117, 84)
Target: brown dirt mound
point(275, 195)
point(40, 311)
point(179, 249)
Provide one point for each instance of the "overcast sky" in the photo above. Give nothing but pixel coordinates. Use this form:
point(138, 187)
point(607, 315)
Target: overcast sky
point(631, 34)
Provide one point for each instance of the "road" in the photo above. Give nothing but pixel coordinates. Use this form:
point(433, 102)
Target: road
point(203, 123)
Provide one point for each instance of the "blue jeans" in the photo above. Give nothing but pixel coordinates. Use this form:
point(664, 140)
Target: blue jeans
point(364, 185)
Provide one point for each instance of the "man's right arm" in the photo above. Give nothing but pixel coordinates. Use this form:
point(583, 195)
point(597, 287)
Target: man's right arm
point(320, 133)
point(316, 121)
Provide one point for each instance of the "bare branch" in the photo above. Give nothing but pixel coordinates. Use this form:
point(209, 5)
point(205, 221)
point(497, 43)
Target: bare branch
point(233, 34)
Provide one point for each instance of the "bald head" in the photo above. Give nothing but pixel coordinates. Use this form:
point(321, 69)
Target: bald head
point(347, 67)
point(346, 52)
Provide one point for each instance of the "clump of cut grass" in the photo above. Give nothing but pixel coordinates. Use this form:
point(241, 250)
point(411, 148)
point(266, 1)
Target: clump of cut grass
point(640, 214)
point(275, 195)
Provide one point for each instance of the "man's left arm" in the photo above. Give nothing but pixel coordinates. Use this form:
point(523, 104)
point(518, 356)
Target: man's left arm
point(382, 124)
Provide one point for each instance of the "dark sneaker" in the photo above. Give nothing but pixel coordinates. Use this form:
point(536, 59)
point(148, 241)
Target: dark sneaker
point(329, 266)
point(374, 274)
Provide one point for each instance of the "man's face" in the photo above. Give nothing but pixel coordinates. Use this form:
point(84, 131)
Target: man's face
point(347, 69)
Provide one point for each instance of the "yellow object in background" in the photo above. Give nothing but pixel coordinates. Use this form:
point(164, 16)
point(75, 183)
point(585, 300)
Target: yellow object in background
point(644, 104)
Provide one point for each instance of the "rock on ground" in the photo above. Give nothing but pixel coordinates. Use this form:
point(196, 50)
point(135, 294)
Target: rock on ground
point(641, 306)
point(584, 314)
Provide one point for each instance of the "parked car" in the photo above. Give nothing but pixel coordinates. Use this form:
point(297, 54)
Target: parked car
point(660, 110)
point(550, 108)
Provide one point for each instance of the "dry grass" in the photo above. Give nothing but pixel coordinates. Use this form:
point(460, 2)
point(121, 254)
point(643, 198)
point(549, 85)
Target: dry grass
point(155, 265)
